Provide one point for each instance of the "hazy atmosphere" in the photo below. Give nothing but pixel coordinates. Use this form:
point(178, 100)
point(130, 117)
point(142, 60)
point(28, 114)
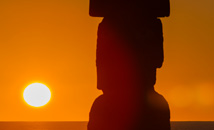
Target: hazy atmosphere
point(54, 42)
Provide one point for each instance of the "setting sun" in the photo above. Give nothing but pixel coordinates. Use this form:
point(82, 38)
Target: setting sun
point(37, 94)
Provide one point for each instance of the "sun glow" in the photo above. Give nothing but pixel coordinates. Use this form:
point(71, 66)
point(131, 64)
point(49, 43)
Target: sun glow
point(37, 95)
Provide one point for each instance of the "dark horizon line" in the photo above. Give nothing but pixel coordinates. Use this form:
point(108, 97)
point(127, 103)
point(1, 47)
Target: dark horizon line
point(87, 121)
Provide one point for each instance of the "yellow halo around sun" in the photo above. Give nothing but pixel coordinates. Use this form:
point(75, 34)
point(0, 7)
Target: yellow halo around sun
point(37, 94)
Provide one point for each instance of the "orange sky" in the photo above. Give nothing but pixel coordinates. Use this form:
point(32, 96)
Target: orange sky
point(54, 42)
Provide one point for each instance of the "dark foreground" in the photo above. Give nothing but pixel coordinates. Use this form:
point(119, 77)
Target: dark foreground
point(83, 125)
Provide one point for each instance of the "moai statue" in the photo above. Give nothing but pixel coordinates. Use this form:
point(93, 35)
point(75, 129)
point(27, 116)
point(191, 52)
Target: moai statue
point(129, 50)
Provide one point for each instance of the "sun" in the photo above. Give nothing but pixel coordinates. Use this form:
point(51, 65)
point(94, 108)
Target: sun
point(37, 94)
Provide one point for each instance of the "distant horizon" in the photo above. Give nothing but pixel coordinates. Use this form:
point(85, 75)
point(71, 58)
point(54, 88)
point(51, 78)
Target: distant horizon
point(87, 121)
point(83, 125)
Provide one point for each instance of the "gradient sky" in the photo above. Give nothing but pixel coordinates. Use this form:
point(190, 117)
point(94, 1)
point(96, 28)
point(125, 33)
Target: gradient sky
point(54, 42)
